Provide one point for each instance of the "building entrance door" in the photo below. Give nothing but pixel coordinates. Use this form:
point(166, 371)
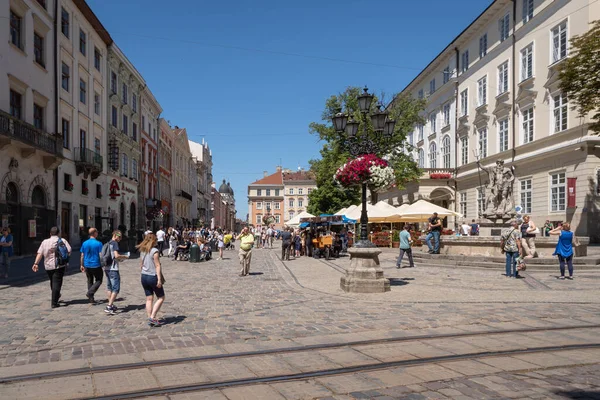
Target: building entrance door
point(65, 220)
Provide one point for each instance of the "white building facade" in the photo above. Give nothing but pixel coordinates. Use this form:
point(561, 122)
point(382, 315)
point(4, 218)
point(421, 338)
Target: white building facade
point(182, 178)
point(493, 95)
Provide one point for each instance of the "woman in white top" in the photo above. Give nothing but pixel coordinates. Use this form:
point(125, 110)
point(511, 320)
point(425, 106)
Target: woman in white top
point(221, 245)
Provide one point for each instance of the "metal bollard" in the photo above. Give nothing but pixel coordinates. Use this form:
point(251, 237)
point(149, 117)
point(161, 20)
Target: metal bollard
point(194, 253)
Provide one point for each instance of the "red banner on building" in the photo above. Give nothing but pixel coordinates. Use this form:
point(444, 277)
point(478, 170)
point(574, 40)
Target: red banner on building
point(571, 192)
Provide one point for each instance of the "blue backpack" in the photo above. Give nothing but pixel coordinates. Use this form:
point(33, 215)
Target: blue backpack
point(61, 254)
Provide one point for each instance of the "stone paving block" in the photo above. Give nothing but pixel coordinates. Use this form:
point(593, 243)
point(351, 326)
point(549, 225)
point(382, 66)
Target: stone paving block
point(71, 387)
point(308, 361)
point(179, 374)
point(506, 363)
point(252, 392)
point(199, 351)
point(301, 390)
point(424, 349)
point(393, 377)
point(224, 370)
point(580, 356)
point(545, 359)
point(201, 395)
point(42, 367)
point(342, 384)
point(455, 346)
point(432, 372)
point(386, 352)
point(108, 383)
point(115, 360)
point(470, 367)
point(347, 357)
point(268, 365)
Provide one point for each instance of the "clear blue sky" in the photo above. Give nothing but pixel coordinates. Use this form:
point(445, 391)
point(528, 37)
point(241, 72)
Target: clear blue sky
point(249, 76)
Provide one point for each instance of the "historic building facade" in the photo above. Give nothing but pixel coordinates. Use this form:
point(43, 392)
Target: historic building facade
point(297, 186)
point(202, 157)
point(124, 110)
point(493, 95)
point(165, 171)
point(82, 55)
point(228, 213)
point(30, 146)
point(182, 178)
point(148, 196)
point(265, 198)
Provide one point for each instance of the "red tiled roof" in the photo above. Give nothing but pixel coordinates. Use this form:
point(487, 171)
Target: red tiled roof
point(298, 176)
point(275, 179)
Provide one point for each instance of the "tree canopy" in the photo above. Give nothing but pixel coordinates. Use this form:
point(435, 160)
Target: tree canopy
point(580, 75)
point(330, 197)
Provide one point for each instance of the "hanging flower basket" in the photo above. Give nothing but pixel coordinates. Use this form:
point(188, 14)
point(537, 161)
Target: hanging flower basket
point(369, 168)
point(440, 175)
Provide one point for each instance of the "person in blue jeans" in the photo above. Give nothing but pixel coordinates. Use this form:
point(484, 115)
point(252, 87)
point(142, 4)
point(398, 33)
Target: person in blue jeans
point(435, 230)
point(6, 250)
point(564, 248)
point(510, 243)
point(113, 278)
point(90, 264)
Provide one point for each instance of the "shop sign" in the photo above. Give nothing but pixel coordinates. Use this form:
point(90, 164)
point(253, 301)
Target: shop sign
point(114, 189)
point(31, 225)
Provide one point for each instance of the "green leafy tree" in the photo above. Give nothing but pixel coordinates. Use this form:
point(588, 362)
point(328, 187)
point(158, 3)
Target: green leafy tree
point(580, 75)
point(330, 197)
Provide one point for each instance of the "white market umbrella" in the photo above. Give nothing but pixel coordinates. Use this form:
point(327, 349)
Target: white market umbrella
point(376, 214)
point(341, 212)
point(296, 220)
point(422, 210)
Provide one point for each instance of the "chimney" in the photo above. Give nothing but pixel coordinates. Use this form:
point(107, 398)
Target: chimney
point(265, 174)
point(278, 168)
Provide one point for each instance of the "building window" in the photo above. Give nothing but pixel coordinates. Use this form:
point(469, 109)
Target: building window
point(38, 49)
point(124, 93)
point(432, 86)
point(464, 150)
point(300, 202)
point(527, 10)
point(97, 145)
point(67, 182)
point(421, 158)
point(276, 192)
point(96, 103)
point(503, 78)
point(483, 45)
point(259, 192)
point(268, 192)
point(98, 194)
point(503, 134)
point(527, 62)
point(446, 75)
point(16, 106)
point(113, 82)
point(527, 125)
point(446, 114)
point(433, 155)
point(125, 124)
point(64, 22)
point(446, 152)
point(480, 201)
point(97, 59)
point(432, 122)
point(124, 165)
point(16, 23)
point(134, 131)
point(134, 169)
point(463, 204)
point(268, 206)
point(259, 205)
point(291, 203)
point(411, 138)
point(559, 42)
point(464, 102)
point(82, 91)
point(277, 205)
point(482, 91)
point(558, 190)
point(309, 191)
point(66, 75)
point(421, 94)
point(560, 112)
point(300, 191)
point(84, 187)
point(277, 218)
point(38, 116)
point(292, 214)
point(291, 190)
point(65, 133)
point(464, 61)
point(526, 196)
point(114, 116)
point(420, 129)
point(82, 42)
point(504, 27)
point(134, 102)
point(483, 136)
point(259, 219)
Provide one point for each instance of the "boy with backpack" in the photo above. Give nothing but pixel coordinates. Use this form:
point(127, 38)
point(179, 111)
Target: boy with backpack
point(56, 252)
point(109, 258)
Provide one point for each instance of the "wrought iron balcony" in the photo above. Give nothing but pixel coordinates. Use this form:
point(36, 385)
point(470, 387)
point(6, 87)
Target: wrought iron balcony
point(184, 194)
point(87, 161)
point(15, 129)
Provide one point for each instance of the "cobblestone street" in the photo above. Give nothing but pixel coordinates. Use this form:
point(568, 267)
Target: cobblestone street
point(210, 309)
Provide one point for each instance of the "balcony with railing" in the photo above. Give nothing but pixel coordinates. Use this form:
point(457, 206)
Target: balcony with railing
point(87, 162)
point(437, 173)
point(184, 194)
point(30, 139)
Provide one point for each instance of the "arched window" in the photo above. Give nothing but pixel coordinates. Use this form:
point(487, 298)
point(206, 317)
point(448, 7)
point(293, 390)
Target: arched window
point(421, 158)
point(12, 193)
point(38, 197)
point(446, 152)
point(433, 155)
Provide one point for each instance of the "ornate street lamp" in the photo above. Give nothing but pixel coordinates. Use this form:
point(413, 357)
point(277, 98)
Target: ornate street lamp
point(378, 143)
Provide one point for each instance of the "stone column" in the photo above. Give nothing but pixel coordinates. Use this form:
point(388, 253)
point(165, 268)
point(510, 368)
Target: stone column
point(365, 275)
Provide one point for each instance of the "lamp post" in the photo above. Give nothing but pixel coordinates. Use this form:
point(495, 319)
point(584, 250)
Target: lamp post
point(378, 143)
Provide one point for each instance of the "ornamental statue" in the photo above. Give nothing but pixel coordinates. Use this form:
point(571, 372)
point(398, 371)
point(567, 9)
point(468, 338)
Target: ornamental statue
point(499, 192)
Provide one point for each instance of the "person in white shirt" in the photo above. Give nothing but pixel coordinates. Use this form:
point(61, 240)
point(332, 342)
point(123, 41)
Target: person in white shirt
point(160, 237)
point(465, 229)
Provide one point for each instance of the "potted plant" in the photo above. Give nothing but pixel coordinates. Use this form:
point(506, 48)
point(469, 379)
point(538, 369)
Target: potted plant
point(70, 186)
point(396, 239)
point(85, 191)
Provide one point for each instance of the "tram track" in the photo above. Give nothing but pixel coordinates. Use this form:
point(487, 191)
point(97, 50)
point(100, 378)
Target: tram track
point(280, 351)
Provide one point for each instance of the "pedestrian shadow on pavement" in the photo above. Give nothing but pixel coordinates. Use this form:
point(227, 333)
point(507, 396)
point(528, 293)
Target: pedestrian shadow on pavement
point(75, 302)
point(400, 281)
point(578, 394)
point(132, 307)
point(256, 273)
point(174, 320)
